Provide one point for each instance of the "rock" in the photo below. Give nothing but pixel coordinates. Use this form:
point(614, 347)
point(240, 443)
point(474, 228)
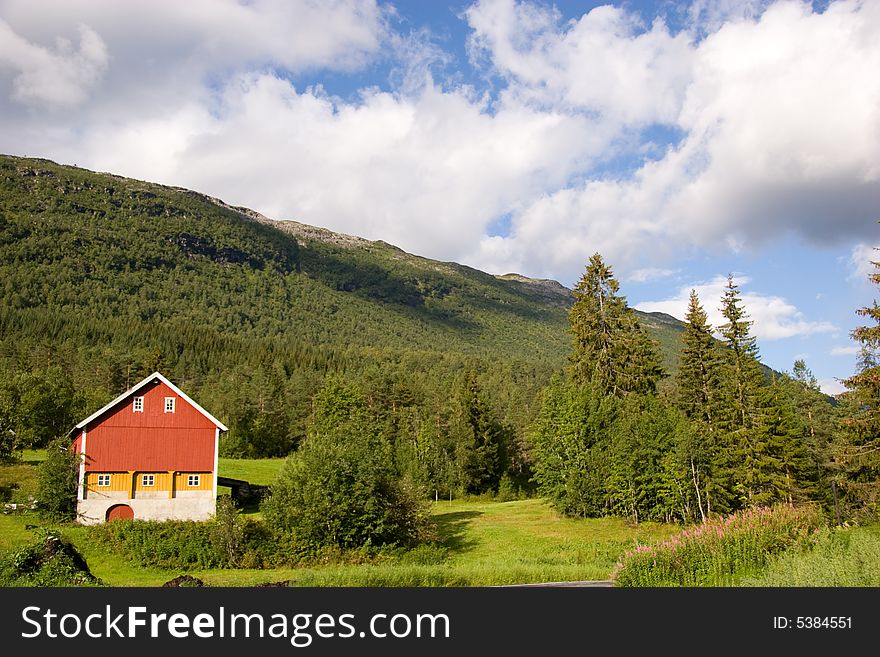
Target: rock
point(183, 581)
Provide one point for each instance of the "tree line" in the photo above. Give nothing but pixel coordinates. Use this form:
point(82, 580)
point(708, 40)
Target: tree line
point(728, 435)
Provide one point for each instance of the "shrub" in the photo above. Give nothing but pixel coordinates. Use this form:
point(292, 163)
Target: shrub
point(177, 544)
point(343, 494)
point(51, 561)
point(58, 481)
point(226, 541)
point(713, 553)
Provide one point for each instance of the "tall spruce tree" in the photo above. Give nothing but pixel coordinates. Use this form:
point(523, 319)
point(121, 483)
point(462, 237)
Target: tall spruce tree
point(742, 461)
point(698, 371)
point(698, 397)
point(610, 348)
point(859, 453)
point(796, 478)
point(816, 418)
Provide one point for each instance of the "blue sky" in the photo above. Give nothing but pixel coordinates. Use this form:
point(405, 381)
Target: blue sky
point(683, 141)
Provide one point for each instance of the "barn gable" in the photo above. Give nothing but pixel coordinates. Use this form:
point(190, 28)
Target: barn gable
point(154, 379)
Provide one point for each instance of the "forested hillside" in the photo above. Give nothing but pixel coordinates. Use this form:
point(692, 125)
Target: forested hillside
point(106, 279)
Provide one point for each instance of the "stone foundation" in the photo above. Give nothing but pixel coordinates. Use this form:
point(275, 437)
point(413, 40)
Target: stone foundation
point(93, 510)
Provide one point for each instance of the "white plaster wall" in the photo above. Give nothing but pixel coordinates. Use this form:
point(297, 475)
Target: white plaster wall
point(93, 510)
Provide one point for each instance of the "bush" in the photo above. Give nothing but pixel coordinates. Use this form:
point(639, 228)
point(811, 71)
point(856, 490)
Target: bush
point(343, 494)
point(58, 479)
point(713, 553)
point(226, 541)
point(51, 561)
point(173, 544)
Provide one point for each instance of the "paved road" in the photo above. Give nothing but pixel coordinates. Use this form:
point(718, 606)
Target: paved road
point(596, 583)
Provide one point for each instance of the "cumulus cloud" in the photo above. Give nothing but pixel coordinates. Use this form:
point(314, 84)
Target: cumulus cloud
point(606, 62)
point(58, 76)
point(845, 351)
point(774, 318)
point(780, 114)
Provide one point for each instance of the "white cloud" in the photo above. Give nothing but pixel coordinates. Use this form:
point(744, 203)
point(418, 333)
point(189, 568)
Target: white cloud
point(845, 351)
point(356, 167)
point(52, 77)
point(861, 262)
point(650, 274)
point(781, 122)
point(831, 386)
point(774, 318)
point(605, 62)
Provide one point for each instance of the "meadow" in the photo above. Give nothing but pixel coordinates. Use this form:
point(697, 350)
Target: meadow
point(478, 543)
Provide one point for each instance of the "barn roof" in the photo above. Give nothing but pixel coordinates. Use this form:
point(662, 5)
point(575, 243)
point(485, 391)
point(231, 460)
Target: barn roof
point(155, 376)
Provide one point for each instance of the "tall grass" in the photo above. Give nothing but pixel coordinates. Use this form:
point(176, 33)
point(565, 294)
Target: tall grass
point(839, 557)
point(721, 550)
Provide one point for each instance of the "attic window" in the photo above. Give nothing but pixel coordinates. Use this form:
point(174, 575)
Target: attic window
point(169, 404)
point(148, 480)
point(103, 480)
point(193, 481)
point(138, 405)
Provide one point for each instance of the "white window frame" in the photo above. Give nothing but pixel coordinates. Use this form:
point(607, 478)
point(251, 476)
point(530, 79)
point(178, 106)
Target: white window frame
point(169, 408)
point(193, 480)
point(103, 480)
point(148, 477)
point(137, 406)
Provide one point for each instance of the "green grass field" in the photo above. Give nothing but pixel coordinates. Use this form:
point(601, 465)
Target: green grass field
point(841, 557)
point(478, 543)
point(481, 543)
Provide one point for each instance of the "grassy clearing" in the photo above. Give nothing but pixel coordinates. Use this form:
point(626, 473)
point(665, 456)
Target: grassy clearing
point(481, 543)
point(839, 557)
point(255, 471)
point(18, 480)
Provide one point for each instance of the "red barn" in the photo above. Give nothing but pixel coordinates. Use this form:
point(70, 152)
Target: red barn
point(150, 454)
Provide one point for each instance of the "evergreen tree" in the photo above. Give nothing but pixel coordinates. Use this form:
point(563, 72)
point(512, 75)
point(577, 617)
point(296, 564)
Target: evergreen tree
point(816, 418)
point(698, 372)
point(698, 397)
point(639, 481)
point(858, 455)
point(796, 476)
point(742, 461)
point(482, 440)
point(609, 346)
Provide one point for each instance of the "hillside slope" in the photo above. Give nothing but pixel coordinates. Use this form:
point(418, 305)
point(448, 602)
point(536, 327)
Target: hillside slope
point(111, 278)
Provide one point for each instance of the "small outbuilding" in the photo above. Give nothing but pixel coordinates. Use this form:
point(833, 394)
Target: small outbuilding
point(150, 454)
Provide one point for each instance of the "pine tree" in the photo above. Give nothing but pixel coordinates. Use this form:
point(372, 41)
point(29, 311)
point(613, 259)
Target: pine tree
point(742, 461)
point(697, 396)
point(796, 475)
point(859, 454)
point(815, 417)
point(610, 347)
point(482, 440)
